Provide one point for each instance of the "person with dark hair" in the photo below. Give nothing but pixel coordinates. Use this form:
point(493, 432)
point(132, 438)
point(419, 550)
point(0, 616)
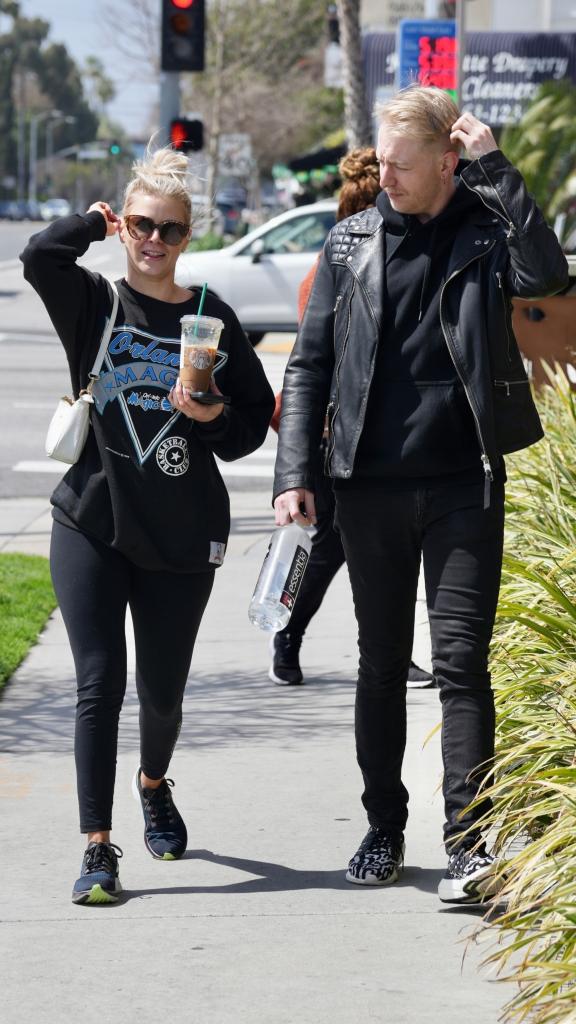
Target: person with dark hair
point(360, 174)
point(407, 339)
point(142, 519)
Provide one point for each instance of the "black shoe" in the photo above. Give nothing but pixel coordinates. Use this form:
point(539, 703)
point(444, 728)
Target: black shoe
point(285, 668)
point(419, 678)
point(98, 882)
point(165, 833)
point(471, 877)
point(378, 860)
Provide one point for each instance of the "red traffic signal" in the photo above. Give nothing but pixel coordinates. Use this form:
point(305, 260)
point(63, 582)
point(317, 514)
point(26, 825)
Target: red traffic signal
point(182, 35)
point(186, 136)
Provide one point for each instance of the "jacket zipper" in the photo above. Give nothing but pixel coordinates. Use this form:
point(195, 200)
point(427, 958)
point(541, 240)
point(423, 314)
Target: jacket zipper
point(505, 308)
point(511, 228)
point(336, 403)
point(509, 384)
point(488, 475)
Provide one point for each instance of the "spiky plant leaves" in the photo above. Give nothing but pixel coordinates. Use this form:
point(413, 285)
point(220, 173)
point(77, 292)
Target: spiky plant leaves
point(532, 783)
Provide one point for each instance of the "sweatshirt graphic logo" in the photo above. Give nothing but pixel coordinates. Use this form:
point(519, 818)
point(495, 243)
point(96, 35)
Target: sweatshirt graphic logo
point(172, 456)
point(138, 372)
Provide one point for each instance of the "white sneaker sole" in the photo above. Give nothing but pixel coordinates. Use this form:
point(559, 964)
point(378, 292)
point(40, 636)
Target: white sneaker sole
point(478, 887)
point(373, 880)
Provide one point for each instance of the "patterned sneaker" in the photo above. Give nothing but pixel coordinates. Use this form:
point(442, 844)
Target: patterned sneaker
point(285, 668)
point(98, 882)
point(378, 860)
point(165, 833)
point(470, 877)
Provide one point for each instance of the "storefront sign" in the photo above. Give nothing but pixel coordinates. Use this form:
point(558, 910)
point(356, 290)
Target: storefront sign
point(501, 70)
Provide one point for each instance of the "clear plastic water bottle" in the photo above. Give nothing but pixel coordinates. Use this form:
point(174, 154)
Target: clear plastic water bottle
point(280, 578)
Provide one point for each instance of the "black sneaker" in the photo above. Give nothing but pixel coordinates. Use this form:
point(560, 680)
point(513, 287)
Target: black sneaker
point(98, 882)
point(419, 678)
point(470, 877)
point(285, 668)
point(165, 833)
point(378, 860)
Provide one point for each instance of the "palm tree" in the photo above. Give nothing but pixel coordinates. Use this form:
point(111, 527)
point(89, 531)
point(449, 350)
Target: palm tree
point(543, 147)
point(356, 118)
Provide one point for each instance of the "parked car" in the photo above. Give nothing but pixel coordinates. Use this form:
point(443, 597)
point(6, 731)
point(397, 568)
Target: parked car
point(231, 201)
point(259, 275)
point(54, 208)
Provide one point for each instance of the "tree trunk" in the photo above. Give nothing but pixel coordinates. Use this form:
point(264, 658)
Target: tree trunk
point(356, 117)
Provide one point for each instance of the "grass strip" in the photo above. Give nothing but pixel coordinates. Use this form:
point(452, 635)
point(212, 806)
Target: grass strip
point(26, 601)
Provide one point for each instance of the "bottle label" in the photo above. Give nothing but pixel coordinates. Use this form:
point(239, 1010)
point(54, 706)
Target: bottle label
point(294, 578)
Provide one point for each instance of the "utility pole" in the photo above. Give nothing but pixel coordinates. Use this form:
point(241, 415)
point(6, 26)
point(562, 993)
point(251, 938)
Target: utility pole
point(169, 102)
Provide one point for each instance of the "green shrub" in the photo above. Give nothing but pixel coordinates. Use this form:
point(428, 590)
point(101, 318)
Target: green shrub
point(26, 601)
point(534, 675)
point(208, 241)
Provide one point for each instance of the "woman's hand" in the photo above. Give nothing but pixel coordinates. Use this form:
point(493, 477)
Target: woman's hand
point(112, 219)
point(180, 399)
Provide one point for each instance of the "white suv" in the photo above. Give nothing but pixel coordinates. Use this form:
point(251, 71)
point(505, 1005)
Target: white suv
point(260, 274)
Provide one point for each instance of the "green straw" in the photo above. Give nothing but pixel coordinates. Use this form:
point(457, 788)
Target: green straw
point(200, 307)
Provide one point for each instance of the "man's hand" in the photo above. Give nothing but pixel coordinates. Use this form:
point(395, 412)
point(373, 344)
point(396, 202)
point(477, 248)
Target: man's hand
point(475, 136)
point(112, 219)
point(287, 508)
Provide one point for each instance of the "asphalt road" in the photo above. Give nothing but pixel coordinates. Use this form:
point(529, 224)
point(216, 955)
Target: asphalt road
point(34, 375)
point(13, 237)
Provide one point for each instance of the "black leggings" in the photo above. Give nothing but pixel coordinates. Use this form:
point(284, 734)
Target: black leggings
point(94, 586)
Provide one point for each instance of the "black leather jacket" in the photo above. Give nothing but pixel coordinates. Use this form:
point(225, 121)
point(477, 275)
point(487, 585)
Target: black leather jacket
point(506, 249)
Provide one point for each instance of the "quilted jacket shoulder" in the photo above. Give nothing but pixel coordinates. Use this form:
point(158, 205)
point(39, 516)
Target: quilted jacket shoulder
point(346, 234)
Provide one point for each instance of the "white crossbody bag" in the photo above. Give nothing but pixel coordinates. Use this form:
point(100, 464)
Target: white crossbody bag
point(69, 425)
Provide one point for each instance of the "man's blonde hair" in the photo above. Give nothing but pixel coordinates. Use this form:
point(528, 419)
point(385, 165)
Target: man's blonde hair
point(421, 112)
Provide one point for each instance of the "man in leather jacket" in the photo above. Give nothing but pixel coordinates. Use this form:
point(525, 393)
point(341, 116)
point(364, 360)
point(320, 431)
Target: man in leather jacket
point(407, 342)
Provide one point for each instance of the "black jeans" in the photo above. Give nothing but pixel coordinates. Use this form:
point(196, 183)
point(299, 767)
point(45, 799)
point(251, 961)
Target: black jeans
point(385, 533)
point(94, 586)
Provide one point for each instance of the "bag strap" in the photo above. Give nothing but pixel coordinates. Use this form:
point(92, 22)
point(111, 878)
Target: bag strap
point(106, 334)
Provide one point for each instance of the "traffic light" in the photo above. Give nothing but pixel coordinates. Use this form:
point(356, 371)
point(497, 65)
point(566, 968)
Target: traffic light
point(186, 136)
point(115, 149)
point(182, 35)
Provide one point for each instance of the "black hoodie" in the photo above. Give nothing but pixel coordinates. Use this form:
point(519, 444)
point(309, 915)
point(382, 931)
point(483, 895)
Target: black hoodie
point(418, 422)
point(147, 483)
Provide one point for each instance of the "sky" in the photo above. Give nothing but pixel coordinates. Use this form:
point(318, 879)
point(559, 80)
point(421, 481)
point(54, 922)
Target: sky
point(78, 24)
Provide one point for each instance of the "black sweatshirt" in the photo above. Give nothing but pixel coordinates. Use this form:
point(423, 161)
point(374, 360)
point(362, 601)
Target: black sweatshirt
point(147, 483)
point(418, 421)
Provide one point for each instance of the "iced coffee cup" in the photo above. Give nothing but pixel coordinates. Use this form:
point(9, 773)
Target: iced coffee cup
point(198, 350)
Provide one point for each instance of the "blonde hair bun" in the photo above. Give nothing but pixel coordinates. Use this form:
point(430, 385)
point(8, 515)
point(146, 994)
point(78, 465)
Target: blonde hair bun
point(162, 172)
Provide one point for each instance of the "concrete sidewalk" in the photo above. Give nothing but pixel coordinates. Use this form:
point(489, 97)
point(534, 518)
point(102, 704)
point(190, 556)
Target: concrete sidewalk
point(256, 924)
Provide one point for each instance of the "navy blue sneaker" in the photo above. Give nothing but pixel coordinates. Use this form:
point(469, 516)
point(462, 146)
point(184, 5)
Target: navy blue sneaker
point(285, 668)
point(98, 882)
point(165, 833)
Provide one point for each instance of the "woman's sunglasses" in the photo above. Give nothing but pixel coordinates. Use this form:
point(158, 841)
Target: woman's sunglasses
point(171, 232)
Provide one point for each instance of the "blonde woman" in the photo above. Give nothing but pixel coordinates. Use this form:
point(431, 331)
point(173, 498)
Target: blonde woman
point(142, 520)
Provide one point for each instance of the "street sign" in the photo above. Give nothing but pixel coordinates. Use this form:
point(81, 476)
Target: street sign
point(91, 154)
point(428, 54)
point(235, 154)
